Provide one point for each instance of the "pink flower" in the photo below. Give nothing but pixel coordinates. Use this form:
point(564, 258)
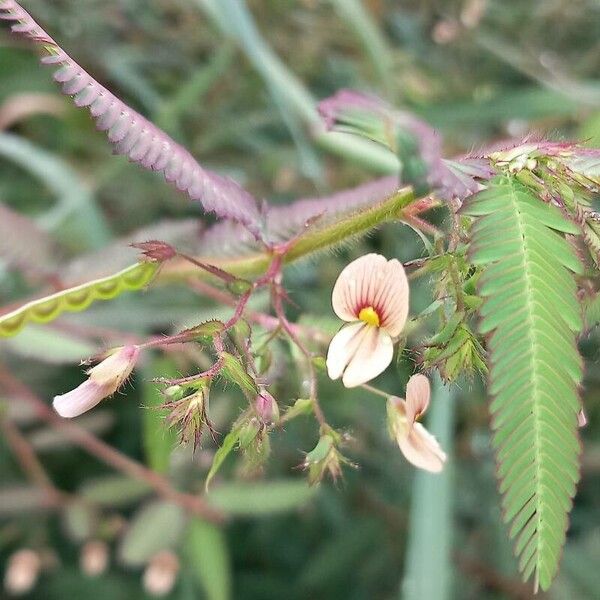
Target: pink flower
point(161, 573)
point(371, 293)
point(103, 381)
point(416, 443)
point(22, 571)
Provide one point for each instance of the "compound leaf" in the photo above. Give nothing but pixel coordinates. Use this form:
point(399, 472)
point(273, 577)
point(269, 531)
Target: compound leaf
point(531, 316)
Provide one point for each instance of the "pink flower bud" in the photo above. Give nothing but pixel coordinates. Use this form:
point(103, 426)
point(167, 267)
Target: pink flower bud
point(103, 381)
point(266, 407)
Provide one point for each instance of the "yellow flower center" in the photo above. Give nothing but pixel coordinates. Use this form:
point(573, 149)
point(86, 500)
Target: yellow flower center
point(369, 316)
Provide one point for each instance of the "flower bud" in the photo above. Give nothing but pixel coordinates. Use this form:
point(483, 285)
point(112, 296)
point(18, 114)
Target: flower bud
point(325, 458)
point(161, 573)
point(189, 414)
point(156, 250)
point(22, 572)
point(266, 408)
point(103, 381)
point(93, 559)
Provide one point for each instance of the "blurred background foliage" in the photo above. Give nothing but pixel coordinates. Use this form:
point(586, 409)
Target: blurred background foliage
point(479, 71)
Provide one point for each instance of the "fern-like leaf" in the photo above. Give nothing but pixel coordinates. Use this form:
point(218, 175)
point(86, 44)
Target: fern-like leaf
point(134, 136)
point(531, 316)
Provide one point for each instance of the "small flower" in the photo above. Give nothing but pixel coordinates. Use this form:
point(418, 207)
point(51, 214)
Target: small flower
point(161, 573)
point(103, 381)
point(22, 572)
point(372, 294)
point(416, 443)
point(93, 559)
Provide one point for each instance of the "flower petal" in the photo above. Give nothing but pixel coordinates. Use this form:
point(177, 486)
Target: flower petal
point(373, 281)
point(116, 368)
point(392, 299)
point(373, 355)
point(81, 399)
point(396, 417)
point(422, 449)
point(417, 397)
point(342, 348)
point(355, 285)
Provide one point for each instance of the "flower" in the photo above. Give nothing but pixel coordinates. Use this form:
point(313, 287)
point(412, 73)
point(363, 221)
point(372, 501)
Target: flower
point(103, 381)
point(372, 294)
point(93, 559)
point(22, 571)
point(161, 573)
point(416, 443)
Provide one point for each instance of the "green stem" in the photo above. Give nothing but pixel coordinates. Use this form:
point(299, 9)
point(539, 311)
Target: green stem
point(75, 299)
point(314, 240)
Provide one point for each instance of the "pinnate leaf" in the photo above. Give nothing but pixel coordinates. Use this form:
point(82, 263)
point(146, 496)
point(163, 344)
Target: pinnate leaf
point(531, 316)
point(131, 134)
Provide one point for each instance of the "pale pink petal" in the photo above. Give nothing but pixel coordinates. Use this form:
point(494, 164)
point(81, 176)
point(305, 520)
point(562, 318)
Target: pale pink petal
point(392, 301)
point(581, 418)
point(342, 348)
point(396, 414)
point(356, 285)
point(374, 354)
point(115, 369)
point(81, 399)
point(422, 449)
point(417, 397)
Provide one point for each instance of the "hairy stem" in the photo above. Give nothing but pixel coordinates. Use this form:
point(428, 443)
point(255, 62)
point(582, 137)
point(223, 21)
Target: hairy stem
point(314, 240)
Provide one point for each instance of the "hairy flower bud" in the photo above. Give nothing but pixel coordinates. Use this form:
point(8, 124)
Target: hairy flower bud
point(22, 572)
point(266, 408)
point(189, 413)
point(325, 458)
point(156, 250)
point(103, 381)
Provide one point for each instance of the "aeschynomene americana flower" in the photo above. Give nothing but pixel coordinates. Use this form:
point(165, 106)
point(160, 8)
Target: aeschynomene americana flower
point(416, 443)
point(371, 293)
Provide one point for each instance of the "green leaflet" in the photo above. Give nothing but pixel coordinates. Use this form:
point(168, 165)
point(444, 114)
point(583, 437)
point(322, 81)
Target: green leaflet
point(531, 316)
point(77, 298)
